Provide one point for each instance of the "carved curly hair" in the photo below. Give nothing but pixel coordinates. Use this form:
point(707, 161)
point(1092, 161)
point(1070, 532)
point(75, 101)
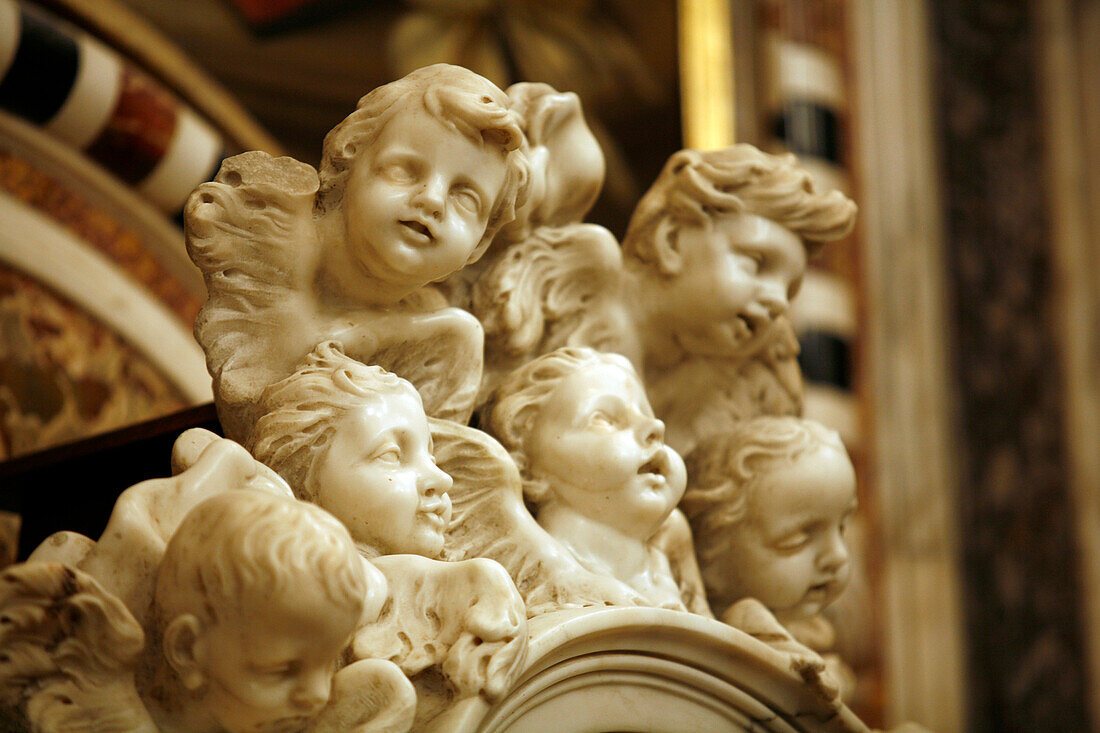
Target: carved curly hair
point(299, 414)
point(695, 186)
point(252, 544)
point(724, 472)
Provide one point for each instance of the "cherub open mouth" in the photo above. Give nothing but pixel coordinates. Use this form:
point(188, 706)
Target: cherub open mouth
point(654, 465)
point(288, 725)
point(418, 227)
point(742, 328)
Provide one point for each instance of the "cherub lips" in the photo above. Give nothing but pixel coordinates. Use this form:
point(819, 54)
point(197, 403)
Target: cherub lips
point(742, 328)
point(655, 467)
point(435, 518)
point(821, 590)
point(417, 231)
point(754, 322)
point(286, 725)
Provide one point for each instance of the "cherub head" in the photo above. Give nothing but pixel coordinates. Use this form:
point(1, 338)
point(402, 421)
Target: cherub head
point(719, 245)
point(425, 171)
point(768, 502)
point(579, 426)
point(354, 440)
point(256, 598)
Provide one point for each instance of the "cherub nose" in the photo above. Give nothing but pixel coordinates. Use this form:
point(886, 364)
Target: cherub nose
point(834, 555)
point(433, 485)
point(653, 432)
point(312, 692)
point(430, 197)
point(773, 296)
point(434, 481)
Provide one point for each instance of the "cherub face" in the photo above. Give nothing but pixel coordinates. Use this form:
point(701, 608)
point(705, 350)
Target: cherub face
point(598, 444)
point(378, 477)
point(737, 277)
point(269, 667)
point(789, 551)
point(418, 200)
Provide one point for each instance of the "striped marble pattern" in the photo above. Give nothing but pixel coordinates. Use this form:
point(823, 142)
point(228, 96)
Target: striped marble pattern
point(803, 102)
point(87, 96)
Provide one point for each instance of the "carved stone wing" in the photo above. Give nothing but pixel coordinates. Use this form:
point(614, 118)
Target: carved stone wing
point(439, 351)
point(561, 286)
point(251, 232)
point(146, 515)
point(491, 520)
point(68, 650)
point(702, 396)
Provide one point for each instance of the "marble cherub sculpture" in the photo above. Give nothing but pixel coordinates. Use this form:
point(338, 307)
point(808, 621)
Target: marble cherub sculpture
point(768, 502)
point(696, 297)
point(354, 439)
point(594, 466)
point(256, 597)
point(714, 253)
point(412, 187)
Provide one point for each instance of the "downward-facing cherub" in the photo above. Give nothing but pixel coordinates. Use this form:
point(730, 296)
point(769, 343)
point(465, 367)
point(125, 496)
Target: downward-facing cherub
point(412, 187)
point(593, 463)
point(256, 598)
point(697, 297)
point(768, 503)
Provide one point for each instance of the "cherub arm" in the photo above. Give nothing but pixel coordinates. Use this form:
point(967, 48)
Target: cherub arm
point(674, 539)
point(146, 515)
point(491, 520)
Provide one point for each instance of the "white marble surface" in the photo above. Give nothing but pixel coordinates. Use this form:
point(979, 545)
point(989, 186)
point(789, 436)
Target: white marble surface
point(655, 670)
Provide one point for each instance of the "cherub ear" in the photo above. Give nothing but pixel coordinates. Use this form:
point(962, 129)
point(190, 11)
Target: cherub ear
point(185, 651)
point(667, 245)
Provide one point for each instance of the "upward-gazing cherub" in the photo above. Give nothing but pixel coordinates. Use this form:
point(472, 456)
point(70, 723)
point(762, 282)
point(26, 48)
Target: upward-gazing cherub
point(413, 186)
point(595, 467)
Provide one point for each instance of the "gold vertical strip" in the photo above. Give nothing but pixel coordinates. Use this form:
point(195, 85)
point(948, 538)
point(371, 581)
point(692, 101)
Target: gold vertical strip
point(706, 73)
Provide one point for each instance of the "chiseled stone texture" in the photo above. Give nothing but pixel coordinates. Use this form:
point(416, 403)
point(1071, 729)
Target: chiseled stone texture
point(1022, 595)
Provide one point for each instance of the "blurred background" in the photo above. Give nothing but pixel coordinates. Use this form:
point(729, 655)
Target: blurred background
point(953, 340)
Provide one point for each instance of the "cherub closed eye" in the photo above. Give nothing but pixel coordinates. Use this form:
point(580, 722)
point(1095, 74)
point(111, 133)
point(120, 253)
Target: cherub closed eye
point(769, 502)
